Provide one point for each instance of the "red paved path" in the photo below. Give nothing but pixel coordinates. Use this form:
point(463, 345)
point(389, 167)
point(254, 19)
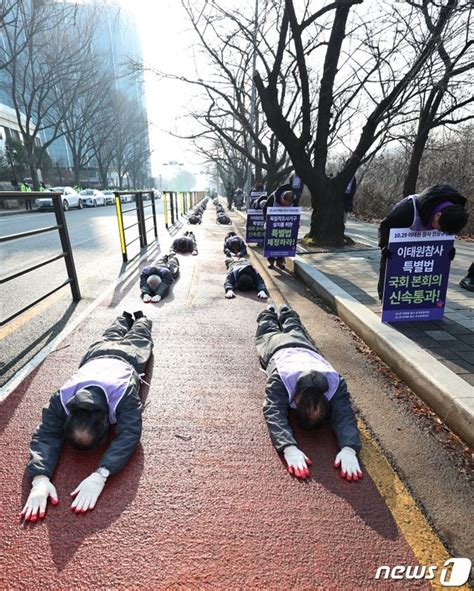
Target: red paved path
point(205, 500)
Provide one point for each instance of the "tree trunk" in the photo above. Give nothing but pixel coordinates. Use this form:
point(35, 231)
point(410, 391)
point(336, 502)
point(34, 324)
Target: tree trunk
point(77, 170)
point(32, 165)
point(327, 218)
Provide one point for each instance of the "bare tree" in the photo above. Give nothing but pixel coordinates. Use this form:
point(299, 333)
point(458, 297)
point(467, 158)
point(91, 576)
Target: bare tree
point(369, 84)
point(82, 109)
point(45, 47)
point(447, 100)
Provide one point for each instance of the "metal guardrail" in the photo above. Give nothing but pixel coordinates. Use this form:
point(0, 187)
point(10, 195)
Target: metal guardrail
point(66, 253)
point(139, 208)
point(176, 204)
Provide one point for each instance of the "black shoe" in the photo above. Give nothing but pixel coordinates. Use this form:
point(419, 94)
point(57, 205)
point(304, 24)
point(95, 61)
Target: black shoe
point(283, 308)
point(467, 283)
point(271, 266)
point(129, 318)
point(271, 307)
point(280, 263)
point(138, 314)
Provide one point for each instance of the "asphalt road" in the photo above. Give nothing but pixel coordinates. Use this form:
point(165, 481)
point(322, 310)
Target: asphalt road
point(95, 243)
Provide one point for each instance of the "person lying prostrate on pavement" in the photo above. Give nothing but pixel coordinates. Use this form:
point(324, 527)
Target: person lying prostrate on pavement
point(103, 391)
point(234, 245)
point(186, 243)
point(242, 276)
point(156, 280)
point(298, 377)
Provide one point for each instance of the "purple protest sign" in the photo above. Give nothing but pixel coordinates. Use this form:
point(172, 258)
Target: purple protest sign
point(255, 232)
point(416, 278)
point(281, 231)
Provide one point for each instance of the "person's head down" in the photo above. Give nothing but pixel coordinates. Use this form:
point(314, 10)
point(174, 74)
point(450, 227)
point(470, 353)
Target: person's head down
point(245, 282)
point(184, 244)
point(287, 198)
point(449, 215)
point(153, 281)
point(312, 406)
point(234, 245)
point(86, 429)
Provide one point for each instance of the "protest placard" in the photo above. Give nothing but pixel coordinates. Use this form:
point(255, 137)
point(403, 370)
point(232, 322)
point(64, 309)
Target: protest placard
point(417, 273)
point(281, 231)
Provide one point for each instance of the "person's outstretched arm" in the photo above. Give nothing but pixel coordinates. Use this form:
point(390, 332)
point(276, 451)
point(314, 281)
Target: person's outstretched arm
point(127, 436)
point(344, 424)
point(229, 285)
point(166, 280)
point(275, 411)
point(45, 448)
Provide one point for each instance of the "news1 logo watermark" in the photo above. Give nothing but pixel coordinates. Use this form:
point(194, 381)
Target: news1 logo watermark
point(454, 572)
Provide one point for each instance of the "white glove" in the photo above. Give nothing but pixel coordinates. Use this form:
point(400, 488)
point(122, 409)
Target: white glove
point(146, 298)
point(349, 463)
point(229, 294)
point(88, 492)
point(41, 489)
point(297, 461)
point(155, 299)
point(194, 253)
point(262, 295)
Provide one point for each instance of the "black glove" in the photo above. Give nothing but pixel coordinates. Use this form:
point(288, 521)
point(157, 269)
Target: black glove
point(386, 252)
point(452, 254)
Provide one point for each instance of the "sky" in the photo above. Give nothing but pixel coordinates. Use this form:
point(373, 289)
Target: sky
point(167, 46)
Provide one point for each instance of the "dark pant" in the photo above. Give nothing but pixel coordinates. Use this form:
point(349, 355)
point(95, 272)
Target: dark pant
point(133, 344)
point(274, 334)
point(29, 204)
point(279, 261)
point(383, 265)
point(171, 262)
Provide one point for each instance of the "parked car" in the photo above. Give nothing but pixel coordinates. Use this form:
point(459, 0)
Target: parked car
point(126, 198)
point(69, 197)
point(92, 197)
point(109, 197)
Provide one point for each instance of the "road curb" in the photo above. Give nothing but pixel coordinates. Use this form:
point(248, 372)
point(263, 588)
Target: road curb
point(446, 393)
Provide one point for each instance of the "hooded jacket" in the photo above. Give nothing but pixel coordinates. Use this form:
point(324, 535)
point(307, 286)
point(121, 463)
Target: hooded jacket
point(402, 214)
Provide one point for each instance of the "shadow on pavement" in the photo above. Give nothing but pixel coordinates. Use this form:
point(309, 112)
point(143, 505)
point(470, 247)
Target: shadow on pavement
point(321, 447)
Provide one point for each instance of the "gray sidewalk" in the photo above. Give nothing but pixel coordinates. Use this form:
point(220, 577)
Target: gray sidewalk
point(450, 341)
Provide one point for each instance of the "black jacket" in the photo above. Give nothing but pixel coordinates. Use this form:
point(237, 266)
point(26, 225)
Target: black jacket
point(236, 268)
point(402, 214)
point(167, 279)
point(275, 410)
point(230, 241)
point(48, 438)
point(276, 405)
point(191, 244)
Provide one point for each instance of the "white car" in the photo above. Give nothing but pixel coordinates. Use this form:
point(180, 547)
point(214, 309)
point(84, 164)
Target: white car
point(92, 197)
point(69, 197)
point(109, 197)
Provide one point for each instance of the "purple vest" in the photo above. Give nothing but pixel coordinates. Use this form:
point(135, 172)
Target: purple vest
point(292, 361)
point(417, 225)
point(111, 374)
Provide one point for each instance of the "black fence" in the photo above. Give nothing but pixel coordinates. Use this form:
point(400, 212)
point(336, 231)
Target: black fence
point(137, 205)
point(66, 253)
